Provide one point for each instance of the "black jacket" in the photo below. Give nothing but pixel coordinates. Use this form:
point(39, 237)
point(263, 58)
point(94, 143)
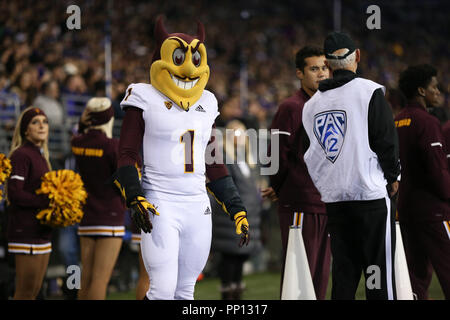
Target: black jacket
point(224, 237)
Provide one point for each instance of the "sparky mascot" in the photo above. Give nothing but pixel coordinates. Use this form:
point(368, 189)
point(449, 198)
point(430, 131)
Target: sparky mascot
point(171, 121)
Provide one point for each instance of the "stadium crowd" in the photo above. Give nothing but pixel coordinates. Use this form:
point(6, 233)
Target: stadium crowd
point(251, 47)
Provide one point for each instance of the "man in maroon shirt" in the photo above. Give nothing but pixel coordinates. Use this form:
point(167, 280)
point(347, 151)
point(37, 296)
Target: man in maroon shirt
point(424, 194)
point(292, 186)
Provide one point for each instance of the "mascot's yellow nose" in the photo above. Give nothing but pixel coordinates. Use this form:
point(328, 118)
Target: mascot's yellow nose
point(188, 68)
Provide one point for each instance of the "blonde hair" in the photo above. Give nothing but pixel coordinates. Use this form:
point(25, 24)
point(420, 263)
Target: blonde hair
point(17, 142)
point(99, 104)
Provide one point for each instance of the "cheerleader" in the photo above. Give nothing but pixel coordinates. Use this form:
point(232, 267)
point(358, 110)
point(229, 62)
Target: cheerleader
point(103, 226)
point(28, 239)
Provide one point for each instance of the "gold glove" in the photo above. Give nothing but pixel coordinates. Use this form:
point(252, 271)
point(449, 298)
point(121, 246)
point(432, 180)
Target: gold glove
point(140, 209)
point(242, 227)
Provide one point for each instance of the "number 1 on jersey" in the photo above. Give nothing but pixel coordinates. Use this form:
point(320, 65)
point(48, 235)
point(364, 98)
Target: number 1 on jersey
point(128, 93)
point(188, 139)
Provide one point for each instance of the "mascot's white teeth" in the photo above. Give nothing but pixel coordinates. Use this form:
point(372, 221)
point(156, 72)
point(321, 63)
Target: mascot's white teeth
point(184, 84)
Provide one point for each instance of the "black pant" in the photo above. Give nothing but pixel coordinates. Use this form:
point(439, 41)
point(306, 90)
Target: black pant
point(230, 268)
point(362, 235)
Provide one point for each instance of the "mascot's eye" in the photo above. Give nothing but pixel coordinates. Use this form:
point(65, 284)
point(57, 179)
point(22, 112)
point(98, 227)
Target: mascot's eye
point(178, 56)
point(196, 58)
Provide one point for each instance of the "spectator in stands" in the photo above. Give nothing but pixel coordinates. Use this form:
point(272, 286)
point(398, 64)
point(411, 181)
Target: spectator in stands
point(76, 94)
point(25, 87)
point(231, 109)
point(9, 104)
point(49, 103)
point(261, 114)
point(58, 74)
point(232, 258)
point(4, 82)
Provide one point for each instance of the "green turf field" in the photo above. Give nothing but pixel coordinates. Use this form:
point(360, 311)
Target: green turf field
point(264, 286)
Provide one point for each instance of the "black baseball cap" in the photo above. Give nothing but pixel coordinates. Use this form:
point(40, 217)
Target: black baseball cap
point(335, 41)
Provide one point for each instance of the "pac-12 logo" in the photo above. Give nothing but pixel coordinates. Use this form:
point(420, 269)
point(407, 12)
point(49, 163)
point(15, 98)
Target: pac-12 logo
point(329, 129)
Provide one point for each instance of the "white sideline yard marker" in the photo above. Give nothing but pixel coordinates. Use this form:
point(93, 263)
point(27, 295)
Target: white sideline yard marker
point(402, 281)
point(297, 283)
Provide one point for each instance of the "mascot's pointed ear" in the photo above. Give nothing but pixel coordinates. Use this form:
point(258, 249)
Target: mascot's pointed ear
point(200, 31)
point(160, 31)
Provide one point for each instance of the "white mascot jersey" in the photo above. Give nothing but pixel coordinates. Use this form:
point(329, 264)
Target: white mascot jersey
point(174, 142)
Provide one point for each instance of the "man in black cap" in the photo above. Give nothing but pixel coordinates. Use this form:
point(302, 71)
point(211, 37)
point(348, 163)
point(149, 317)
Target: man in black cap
point(352, 159)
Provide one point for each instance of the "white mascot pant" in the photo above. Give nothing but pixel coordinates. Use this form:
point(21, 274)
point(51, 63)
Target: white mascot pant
point(177, 249)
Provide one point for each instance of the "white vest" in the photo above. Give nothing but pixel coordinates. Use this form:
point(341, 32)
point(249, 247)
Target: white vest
point(167, 142)
point(339, 159)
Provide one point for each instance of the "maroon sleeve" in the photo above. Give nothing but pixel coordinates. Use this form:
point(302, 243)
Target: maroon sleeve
point(115, 153)
point(16, 184)
point(215, 170)
point(446, 132)
point(287, 121)
point(431, 142)
point(131, 137)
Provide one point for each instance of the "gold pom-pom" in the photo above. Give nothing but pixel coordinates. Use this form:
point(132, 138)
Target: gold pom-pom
point(5, 171)
point(67, 195)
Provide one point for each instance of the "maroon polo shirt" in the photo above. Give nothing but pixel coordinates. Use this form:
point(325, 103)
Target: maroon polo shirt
point(28, 167)
point(96, 158)
point(424, 193)
point(292, 182)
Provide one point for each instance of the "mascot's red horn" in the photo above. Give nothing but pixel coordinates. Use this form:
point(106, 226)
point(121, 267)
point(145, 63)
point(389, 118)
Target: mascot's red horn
point(161, 34)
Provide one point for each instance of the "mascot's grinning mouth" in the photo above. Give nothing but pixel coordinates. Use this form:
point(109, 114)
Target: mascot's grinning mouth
point(184, 84)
